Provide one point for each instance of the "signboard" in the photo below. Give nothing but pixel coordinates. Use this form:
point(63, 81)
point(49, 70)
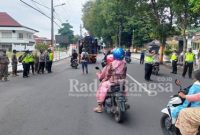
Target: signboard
point(61, 39)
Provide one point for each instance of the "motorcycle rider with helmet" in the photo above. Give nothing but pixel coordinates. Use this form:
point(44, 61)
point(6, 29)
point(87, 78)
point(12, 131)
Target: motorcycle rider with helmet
point(111, 74)
point(74, 55)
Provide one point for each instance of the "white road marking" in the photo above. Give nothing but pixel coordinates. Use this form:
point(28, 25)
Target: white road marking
point(139, 84)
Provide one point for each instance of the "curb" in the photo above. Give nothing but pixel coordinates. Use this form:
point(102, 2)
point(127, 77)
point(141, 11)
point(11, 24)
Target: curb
point(19, 71)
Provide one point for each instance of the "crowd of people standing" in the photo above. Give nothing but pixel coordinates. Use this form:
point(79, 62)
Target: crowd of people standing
point(35, 61)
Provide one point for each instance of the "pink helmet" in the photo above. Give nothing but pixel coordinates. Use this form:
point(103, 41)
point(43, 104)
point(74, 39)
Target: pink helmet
point(109, 59)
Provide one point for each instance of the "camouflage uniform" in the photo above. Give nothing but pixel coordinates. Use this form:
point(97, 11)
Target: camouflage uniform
point(4, 61)
point(14, 64)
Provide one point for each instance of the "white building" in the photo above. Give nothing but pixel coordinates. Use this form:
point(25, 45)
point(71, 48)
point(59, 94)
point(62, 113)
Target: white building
point(14, 35)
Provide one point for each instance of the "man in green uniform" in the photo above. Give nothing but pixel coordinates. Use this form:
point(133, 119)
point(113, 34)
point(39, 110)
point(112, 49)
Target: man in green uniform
point(25, 63)
point(31, 62)
point(49, 60)
point(174, 60)
point(189, 61)
point(149, 59)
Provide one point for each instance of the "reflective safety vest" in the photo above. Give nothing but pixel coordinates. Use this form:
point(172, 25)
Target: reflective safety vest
point(174, 57)
point(149, 59)
point(26, 59)
point(31, 58)
point(50, 56)
point(189, 57)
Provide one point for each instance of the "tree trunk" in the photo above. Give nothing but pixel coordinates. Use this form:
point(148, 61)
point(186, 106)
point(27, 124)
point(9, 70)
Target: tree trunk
point(162, 53)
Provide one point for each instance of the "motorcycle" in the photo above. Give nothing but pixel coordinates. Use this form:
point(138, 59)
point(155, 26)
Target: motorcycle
point(116, 102)
point(128, 59)
point(166, 122)
point(74, 63)
point(156, 68)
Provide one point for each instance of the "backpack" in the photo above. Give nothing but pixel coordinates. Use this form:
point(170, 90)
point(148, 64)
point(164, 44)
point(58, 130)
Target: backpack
point(85, 56)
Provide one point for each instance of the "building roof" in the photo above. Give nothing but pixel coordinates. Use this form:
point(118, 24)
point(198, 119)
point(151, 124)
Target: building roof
point(7, 21)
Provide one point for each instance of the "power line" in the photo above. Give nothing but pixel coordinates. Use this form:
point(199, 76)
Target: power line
point(59, 19)
point(39, 11)
point(40, 4)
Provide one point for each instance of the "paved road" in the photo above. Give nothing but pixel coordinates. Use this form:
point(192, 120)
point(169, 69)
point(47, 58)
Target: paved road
point(46, 105)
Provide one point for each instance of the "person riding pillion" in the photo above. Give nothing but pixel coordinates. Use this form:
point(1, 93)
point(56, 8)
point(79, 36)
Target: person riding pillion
point(114, 71)
point(174, 59)
point(189, 61)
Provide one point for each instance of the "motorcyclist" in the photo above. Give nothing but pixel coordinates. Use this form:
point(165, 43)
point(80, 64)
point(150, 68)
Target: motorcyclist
point(194, 89)
point(128, 54)
point(114, 71)
point(74, 55)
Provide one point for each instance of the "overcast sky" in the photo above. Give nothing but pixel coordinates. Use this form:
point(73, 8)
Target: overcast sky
point(26, 16)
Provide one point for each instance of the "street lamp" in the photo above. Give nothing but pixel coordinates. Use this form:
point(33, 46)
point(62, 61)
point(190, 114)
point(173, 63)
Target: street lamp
point(52, 20)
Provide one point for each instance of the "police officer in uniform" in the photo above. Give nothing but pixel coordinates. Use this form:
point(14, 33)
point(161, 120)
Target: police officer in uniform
point(189, 61)
point(49, 60)
point(174, 60)
point(14, 63)
point(4, 61)
point(31, 62)
point(149, 60)
point(25, 63)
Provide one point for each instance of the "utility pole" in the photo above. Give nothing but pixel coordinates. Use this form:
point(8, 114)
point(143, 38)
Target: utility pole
point(52, 23)
point(81, 31)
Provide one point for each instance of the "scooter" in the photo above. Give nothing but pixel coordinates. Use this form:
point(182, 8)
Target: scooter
point(166, 122)
point(128, 59)
point(116, 102)
point(156, 68)
point(74, 63)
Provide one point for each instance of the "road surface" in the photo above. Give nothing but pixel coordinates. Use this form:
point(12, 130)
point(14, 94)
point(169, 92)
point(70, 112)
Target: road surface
point(62, 103)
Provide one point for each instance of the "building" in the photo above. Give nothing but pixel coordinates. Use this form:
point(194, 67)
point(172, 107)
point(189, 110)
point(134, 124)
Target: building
point(13, 35)
point(42, 40)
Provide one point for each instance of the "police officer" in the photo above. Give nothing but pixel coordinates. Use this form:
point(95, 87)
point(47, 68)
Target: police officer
point(49, 60)
point(149, 60)
point(25, 63)
point(31, 62)
point(189, 61)
point(174, 60)
point(4, 61)
point(14, 63)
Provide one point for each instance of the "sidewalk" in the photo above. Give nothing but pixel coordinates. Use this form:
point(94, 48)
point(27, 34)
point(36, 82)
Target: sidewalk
point(57, 57)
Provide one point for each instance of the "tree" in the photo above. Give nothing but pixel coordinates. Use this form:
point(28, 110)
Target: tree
point(195, 5)
point(67, 31)
point(185, 17)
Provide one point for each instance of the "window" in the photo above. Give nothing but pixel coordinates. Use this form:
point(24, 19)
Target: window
point(20, 36)
point(6, 34)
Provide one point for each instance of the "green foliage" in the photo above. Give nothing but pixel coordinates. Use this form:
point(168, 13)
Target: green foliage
point(113, 20)
point(195, 5)
point(168, 52)
point(41, 47)
point(67, 31)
